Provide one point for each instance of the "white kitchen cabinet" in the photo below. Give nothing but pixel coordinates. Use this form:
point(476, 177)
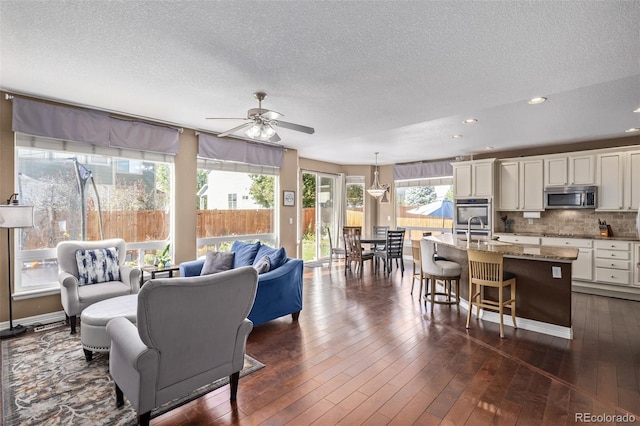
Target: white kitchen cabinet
point(508, 185)
point(610, 181)
point(613, 262)
point(462, 179)
point(582, 170)
point(582, 268)
point(570, 170)
point(556, 171)
point(632, 181)
point(636, 265)
point(473, 178)
point(520, 185)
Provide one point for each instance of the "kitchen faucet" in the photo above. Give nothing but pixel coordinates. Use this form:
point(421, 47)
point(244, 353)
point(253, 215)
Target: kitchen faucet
point(469, 226)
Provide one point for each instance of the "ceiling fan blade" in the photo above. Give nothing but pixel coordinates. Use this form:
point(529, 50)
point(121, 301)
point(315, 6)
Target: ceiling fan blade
point(235, 129)
point(275, 138)
point(297, 127)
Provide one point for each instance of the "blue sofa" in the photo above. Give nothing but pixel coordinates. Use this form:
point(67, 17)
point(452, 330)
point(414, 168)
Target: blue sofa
point(279, 290)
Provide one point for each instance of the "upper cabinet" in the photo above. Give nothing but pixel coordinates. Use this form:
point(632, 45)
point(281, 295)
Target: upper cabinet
point(619, 181)
point(569, 170)
point(610, 181)
point(473, 178)
point(632, 177)
point(520, 185)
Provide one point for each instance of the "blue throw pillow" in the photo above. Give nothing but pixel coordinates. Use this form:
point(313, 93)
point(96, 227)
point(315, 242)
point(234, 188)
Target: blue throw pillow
point(277, 256)
point(245, 253)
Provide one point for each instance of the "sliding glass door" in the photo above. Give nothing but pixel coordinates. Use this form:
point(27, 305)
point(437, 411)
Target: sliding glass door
point(321, 212)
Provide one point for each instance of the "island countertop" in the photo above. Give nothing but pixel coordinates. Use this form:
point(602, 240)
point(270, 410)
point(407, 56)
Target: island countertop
point(563, 254)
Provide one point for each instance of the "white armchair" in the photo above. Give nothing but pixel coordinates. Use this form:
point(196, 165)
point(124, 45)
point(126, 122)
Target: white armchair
point(75, 297)
point(190, 332)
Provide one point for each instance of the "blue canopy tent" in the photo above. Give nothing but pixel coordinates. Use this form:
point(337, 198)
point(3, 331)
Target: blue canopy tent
point(440, 208)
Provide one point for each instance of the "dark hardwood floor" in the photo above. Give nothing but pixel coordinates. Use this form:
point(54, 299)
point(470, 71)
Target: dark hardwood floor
point(367, 352)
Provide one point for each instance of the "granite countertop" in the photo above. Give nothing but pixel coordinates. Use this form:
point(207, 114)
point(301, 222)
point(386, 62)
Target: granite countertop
point(508, 249)
point(583, 236)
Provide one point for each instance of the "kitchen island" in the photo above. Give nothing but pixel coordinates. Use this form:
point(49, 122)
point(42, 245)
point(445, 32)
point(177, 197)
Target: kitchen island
point(543, 274)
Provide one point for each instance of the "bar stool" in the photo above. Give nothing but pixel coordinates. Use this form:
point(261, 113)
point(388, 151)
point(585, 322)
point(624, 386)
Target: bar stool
point(486, 269)
point(443, 270)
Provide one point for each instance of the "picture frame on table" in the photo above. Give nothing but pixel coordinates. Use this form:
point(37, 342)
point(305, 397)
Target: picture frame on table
point(288, 198)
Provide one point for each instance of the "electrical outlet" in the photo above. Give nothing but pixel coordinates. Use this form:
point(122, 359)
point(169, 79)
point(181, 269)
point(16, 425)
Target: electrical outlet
point(530, 221)
point(556, 272)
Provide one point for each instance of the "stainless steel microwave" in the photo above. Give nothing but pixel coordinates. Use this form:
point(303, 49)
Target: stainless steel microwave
point(570, 197)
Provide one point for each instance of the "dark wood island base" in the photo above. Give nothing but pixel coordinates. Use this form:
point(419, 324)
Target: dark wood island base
point(543, 302)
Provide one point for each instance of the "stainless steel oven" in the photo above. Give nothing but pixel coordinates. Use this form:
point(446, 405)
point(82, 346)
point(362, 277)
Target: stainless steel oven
point(477, 208)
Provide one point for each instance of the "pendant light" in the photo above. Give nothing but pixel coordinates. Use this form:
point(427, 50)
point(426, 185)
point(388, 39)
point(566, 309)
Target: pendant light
point(376, 190)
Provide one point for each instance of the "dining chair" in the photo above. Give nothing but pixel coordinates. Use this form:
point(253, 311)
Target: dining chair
point(337, 251)
point(393, 250)
point(354, 251)
point(379, 231)
point(486, 269)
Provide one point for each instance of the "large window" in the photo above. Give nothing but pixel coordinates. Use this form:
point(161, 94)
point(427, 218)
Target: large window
point(235, 205)
point(355, 201)
point(80, 195)
point(423, 207)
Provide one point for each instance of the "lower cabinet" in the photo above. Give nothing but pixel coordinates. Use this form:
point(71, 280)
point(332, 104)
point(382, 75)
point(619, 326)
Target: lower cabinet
point(604, 267)
point(582, 268)
point(613, 262)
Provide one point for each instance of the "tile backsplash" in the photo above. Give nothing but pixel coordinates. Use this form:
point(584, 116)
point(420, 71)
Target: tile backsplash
point(576, 222)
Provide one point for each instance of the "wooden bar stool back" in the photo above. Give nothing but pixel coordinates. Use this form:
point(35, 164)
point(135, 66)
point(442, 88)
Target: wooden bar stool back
point(417, 265)
point(486, 269)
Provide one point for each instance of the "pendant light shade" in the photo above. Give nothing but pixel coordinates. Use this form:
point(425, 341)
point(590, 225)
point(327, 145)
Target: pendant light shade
point(376, 190)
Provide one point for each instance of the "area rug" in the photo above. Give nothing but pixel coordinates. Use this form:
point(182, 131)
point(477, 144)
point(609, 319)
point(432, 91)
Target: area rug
point(47, 381)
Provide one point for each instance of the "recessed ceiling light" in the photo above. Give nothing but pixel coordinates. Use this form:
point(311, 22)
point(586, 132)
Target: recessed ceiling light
point(633, 129)
point(636, 110)
point(470, 121)
point(457, 136)
point(538, 100)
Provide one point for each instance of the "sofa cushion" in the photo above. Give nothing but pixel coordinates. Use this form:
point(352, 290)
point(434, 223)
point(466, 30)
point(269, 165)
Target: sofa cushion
point(245, 253)
point(98, 265)
point(277, 256)
point(217, 261)
point(263, 264)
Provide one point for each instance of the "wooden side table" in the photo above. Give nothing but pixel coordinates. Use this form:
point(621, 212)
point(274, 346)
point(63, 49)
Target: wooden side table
point(153, 270)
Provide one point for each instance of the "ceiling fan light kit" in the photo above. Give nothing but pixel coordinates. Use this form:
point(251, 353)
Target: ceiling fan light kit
point(261, 123)
point(376, 190)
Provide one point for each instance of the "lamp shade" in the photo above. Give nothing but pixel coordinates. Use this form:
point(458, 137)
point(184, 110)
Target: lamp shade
point(16, 216)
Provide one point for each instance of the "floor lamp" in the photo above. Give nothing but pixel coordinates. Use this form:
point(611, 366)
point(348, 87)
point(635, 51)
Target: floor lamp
point(12, 216)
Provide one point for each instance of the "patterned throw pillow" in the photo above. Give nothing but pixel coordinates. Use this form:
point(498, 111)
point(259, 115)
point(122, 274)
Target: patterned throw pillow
point(98, 265)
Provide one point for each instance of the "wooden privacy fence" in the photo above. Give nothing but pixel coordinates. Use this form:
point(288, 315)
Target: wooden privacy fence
point(153, 225)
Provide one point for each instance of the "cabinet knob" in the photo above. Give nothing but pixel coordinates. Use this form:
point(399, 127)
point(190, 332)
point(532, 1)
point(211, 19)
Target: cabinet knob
point(613, 264)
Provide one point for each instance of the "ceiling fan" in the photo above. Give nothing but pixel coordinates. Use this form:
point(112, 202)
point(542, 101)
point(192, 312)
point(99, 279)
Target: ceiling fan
point(260, 123)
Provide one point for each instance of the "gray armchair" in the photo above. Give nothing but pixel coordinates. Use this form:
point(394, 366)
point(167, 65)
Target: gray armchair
point(190, 332)
point(74, 297)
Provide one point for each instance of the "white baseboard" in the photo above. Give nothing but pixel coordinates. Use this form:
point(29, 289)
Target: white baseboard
point(525, 323)
point(37, 319)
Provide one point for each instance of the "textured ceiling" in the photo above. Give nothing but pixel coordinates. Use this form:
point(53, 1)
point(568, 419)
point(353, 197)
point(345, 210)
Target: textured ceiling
point(387, 76)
